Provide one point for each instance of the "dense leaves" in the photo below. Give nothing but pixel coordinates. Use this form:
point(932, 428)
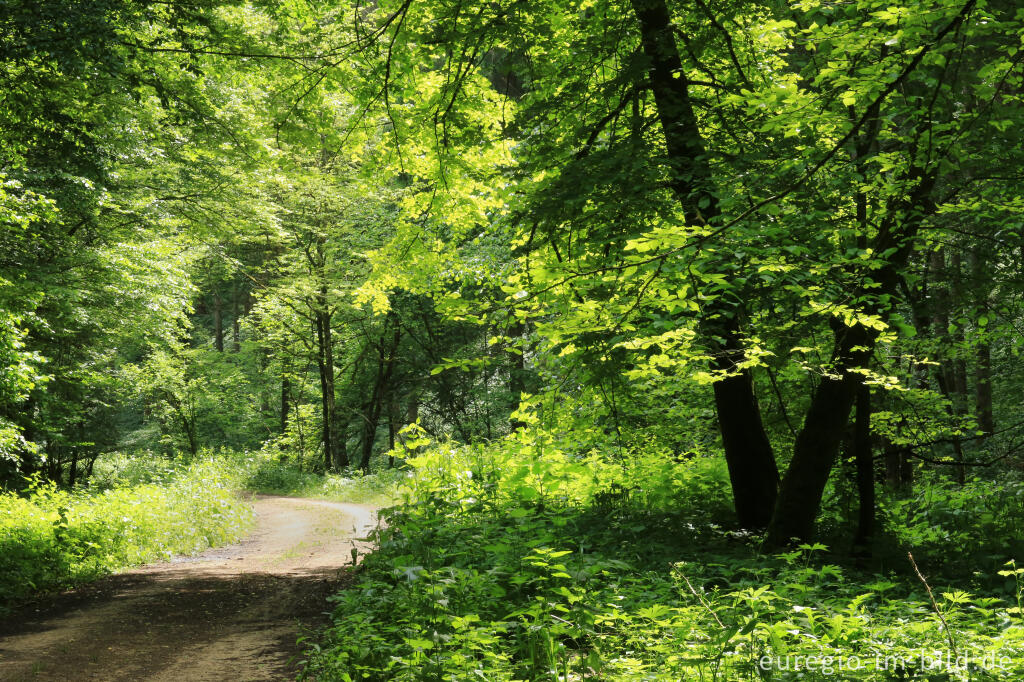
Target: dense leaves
point(658, 244)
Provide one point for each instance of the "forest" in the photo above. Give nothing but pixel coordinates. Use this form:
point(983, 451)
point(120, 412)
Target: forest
point(676, 340)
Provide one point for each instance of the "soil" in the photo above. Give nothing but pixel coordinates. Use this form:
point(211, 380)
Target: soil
point(231, 613)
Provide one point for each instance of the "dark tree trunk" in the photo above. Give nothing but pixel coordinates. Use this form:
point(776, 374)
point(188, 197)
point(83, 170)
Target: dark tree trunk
point(865, 471)
point(372, 417)
point(748, 453)
point(817, 444)
point(945, 381)
point(374, 407)
point(218, 322)
point(92, 463)
point(236, 337)
point(752, 469)
point(392, 416)
point(983, 354)
point(193, 443)
point(188, 422)
point(947, 373)
point(286, 389)
point(341, 441)
point(516, 375)
point(73, 467)
point(892, 465)
point(958, 302)
point(325, 365)
point(190, 433)
point(983, 389)
point(958, 364)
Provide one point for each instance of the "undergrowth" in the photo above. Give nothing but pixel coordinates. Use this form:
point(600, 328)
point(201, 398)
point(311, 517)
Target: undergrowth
point(276, 475)
point(520, 562)
point(134, 513)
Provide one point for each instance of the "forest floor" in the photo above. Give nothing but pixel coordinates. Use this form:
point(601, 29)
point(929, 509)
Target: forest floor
point(231, 613)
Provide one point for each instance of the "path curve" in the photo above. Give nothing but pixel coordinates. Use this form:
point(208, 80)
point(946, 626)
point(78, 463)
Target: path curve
point(232, 613)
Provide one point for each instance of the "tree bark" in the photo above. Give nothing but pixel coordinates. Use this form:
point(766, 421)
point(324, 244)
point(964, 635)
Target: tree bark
point(948, 372)
point(325, 365)
point(752, 469)
point(865, 471)
point(236, 337)
point(218, 322)
point(341, 441)
point(817, 444)
point(392, 416)
point(516, 376)
point(285, 395)
point(188, 422)
point(374, 407)
point(983, 354)
point(983, 389)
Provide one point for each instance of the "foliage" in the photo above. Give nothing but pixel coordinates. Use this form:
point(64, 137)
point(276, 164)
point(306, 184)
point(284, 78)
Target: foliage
point(277, 474)
point(52, 538)
point(504, 566)
point(642, 268)
point(981, 519)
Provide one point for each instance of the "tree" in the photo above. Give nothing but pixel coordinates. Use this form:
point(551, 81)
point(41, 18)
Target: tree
point(652, 252)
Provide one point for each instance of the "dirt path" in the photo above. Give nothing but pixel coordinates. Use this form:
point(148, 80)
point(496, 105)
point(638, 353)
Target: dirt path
point(231, 613)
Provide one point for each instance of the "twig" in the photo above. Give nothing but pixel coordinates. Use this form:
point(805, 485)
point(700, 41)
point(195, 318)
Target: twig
point(938, 612)
point(703, 602)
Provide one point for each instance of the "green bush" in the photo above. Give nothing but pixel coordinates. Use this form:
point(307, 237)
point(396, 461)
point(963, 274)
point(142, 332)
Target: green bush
point(980, 521)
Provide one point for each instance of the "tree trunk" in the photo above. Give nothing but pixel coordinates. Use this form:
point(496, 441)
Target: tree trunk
point(948, 372)
point(285, 395)
point(817, 444)
point(893, 470)
point(516, 376)
point(818, 441)
point(958, 303)
point(752, 469)
point(73, 467)
point(865, 471)
point(983, 389)
point(325, 365)
point(374, 407)
point(218, 322)
point(983, 354)
point(392, 416)
point(748, 453)
point(236, 337)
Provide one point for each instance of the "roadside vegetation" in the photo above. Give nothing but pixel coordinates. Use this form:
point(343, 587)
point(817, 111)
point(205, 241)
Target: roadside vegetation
point(522, 562)
point(137, 510)
point(274, 475)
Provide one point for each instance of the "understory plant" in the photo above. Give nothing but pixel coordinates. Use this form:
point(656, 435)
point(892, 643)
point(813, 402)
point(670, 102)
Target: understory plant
point(52, 538)
point(516, 561)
